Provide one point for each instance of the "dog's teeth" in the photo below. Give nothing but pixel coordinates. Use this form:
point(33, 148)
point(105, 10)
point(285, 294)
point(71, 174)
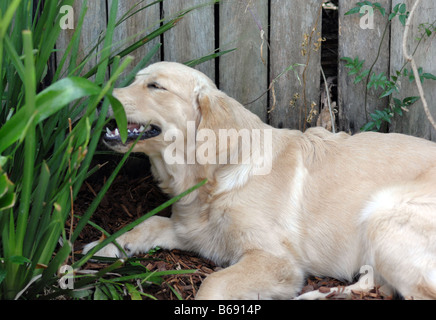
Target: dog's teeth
point(109, 133)
point(117, 133)
point(135, 131)
point(141, 129)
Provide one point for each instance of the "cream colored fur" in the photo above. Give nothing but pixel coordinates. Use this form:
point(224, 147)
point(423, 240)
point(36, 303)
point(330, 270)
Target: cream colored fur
point(331, 203)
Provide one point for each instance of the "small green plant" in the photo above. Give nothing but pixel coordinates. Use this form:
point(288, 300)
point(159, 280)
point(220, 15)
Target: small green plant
point(359, 5)
point(389, 84)
point(378, 117)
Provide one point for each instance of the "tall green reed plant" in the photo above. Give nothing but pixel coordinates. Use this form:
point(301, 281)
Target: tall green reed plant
point(49, 135)
point(43, 144)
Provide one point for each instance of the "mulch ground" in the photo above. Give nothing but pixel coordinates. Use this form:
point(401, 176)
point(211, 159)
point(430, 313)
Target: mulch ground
point(134, 193)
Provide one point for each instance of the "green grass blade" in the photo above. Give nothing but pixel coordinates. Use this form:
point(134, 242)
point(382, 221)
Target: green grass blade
point(155, 274)
point(37, 208)
point(30, 144)
point(15, 59)
point(201, 60)
point(130, 13)
point(16, 270)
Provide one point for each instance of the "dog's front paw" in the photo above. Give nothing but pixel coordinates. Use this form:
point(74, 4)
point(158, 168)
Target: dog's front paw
point(156, 231)
point(110, 251)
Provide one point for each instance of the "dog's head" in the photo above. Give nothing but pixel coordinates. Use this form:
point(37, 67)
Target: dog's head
point(164, 96)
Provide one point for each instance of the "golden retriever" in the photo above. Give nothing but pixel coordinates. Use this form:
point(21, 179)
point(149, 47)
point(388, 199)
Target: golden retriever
point(313, 203)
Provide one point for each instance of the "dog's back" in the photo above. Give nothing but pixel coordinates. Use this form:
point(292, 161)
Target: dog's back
point(365, 199)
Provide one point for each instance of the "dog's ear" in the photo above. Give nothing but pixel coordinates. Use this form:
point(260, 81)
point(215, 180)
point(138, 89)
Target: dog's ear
point(205, 110)
point(213, 109)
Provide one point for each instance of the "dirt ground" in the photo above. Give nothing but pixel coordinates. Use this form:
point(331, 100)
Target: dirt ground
point(133, 194)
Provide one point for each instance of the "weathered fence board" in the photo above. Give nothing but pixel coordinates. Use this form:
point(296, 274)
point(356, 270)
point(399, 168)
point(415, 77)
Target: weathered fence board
point(293, 22)
point(92, 29)
point(415, 121)
point(243, 74)
point(194, 35)
point(137, 27)
point(271, 38)
point(363, 43)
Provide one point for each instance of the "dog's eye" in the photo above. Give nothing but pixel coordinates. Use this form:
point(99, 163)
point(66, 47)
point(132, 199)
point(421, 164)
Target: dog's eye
point(155, 86)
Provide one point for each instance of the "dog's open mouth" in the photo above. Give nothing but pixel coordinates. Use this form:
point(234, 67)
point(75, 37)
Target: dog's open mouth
point(134, 131)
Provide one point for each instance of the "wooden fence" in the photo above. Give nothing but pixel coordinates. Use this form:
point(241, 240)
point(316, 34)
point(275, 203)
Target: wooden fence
point(281, 47)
